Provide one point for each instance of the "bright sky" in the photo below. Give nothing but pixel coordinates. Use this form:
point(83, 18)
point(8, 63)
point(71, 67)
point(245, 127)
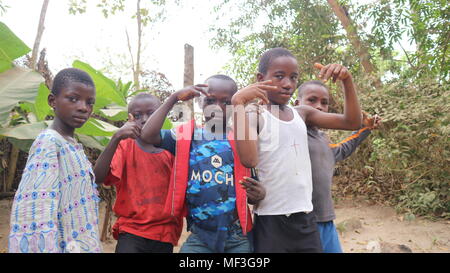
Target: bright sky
point(102, 42)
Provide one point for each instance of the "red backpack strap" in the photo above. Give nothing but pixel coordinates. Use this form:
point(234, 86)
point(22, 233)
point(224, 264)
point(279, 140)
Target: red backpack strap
point(240, 171)
point(178, 182)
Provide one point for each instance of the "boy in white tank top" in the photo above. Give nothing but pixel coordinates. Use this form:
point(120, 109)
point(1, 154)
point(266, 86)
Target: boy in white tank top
point(273, 139)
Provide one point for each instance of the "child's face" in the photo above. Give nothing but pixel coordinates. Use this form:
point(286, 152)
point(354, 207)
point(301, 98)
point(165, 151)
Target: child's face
point(283, 71)
point(215, 105)
point(74, 104)
point(316, 96)
point(142, 109)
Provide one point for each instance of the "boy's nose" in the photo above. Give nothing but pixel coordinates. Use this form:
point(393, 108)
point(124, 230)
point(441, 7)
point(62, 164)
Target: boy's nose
point(287, 84)
point(83, 107)
point(144, 119)
point(216, 108)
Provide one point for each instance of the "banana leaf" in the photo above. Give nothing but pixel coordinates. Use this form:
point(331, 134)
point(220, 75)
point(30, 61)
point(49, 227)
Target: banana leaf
point(105, 87)
point(17, 85)
point(11, 48)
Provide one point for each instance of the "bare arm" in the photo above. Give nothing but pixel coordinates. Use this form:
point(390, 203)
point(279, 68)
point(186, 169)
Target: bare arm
point(245, 134)
point(151, 130)
point(103, 163)
point(351, 119)
point(245, 121)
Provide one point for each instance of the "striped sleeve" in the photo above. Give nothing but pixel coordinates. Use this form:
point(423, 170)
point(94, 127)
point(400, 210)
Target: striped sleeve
point(346, 147)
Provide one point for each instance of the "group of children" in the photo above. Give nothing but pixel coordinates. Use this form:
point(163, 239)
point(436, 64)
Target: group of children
point(252, 149)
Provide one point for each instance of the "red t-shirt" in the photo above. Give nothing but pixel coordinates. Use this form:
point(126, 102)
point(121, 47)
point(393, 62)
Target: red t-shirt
point(142, 181)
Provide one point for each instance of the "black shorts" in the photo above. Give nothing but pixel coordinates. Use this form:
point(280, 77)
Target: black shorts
point(297, 233)
point(130, 243)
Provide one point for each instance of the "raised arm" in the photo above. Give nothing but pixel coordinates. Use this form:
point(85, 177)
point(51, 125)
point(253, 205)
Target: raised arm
point(351, 118)
point(151, 130)
point(345, 148)
point(245, 134)
point(245, 121)
point(103, 164)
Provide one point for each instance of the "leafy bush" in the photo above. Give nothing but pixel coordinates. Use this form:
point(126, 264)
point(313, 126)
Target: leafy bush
point(406, 162)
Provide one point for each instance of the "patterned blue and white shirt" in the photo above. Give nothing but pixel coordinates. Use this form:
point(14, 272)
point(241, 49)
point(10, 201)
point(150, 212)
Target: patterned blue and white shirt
point(55, 208)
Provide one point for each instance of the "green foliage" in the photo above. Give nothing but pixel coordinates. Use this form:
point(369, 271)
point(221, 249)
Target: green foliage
point(124, 88)
point(307, 28)
point(111, 6)
point(425, 23)
point(151, 11)
point(106, 90)
point(156, 83)
point(17, 85)
point(26, 131)
point(11, 48)
point(77, 6)
point(311, 31)
point(42, 109)
point(24, 108)
point(24, 145)
point(37, 111)
point(406, 163)
point(3, 8)
point(24, 88)
point(33, 114)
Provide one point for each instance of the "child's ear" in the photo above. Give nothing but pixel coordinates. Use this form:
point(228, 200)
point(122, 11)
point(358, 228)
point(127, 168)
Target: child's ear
point(296, 103)
point(259, 77)
point(51, 100)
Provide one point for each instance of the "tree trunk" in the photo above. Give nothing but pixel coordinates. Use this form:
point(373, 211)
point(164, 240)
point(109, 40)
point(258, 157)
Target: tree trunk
point(188, 78)
point(137, 71)
point(43, 69)
point(133, 67)
point(7, 194)
point(13, 157)
point(108, 210)
point(40, 31)
point(361, 50)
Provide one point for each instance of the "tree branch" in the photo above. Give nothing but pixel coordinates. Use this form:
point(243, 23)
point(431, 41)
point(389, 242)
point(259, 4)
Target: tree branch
point(138, 58)
point(40, 31)
point(131, 52)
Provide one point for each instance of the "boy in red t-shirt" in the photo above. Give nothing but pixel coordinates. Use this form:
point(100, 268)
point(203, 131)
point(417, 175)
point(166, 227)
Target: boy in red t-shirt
point(140, 172)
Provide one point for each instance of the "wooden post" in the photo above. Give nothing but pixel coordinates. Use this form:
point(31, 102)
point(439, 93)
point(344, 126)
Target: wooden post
point(189, 73)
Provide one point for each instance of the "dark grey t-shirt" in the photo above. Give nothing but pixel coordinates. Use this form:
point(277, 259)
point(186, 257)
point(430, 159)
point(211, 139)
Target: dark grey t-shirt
point(323, 158)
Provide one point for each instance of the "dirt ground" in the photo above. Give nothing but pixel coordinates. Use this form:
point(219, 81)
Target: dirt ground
point(359, 224)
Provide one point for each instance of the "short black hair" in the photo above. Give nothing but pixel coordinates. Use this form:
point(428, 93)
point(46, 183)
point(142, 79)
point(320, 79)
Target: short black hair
point(70, 75)
point(303, 85)
point(143, 95)
point(270, 55)
point(225, 78)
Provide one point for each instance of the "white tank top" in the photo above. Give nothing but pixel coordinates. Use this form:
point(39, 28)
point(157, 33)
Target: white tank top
point(284, 167)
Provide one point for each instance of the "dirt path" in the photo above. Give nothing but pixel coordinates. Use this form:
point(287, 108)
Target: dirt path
point(383, 224)
point(358, 223)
